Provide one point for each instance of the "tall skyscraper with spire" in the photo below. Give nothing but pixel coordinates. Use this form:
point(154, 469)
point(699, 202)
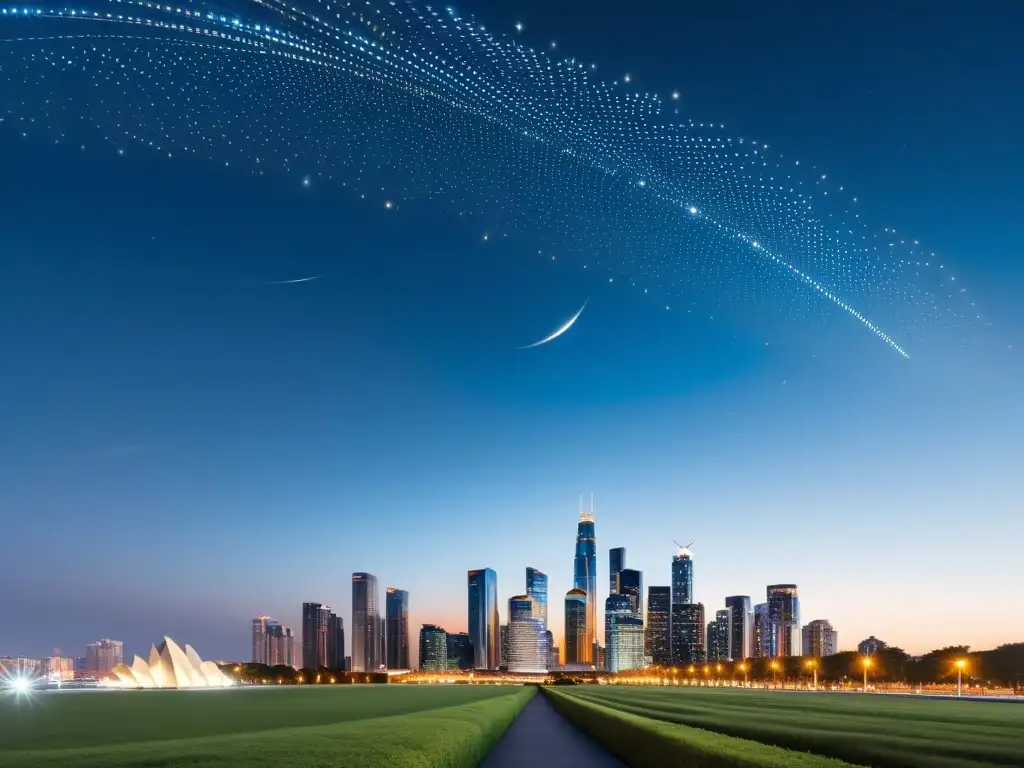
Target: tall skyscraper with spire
point(585, 574)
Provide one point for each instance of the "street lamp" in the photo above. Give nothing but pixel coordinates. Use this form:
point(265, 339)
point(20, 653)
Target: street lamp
point(775, 673)
point(960, 664)
point(743, 669)
point(814, 667)
point(867, 666)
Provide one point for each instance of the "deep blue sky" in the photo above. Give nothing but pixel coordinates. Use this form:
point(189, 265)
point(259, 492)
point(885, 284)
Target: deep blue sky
point(185, 446)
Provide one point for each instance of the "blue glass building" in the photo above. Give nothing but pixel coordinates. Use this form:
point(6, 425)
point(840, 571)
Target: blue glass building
point(682, 578)
point(585, 578)
point(616, 562)
point(483, 618)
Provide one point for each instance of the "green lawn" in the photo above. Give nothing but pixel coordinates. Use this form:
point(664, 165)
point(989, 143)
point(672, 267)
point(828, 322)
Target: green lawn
point(352, 725)
point(875, 730)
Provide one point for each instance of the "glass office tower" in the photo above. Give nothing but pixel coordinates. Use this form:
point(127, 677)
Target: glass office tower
point(366, 639)
point(784, 614)
point(682, 578)
point(396, 610)
point(433, 648)
point(577, 648)
point(526, 643)
point(631, 584)
point(659, 641)
point(483, 618)
point(585, 578)
point(741, 621)
point(616, 562)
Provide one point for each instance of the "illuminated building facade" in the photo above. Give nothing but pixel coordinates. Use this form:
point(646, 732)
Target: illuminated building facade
point(527, 650)
point(688, 628)
point(682, 578)
point(659, 613)
point(616, 562)
point(315, 632)
point(624, 634)
point(537, 589)
point(577, 643)
point(784, 614)
point(631, 584)
point(260, 642)
point(585, 578)
point(170, 667)
point(281, 645)
point(396, 608)
point(366, 624)
point(102, 656)
point(433, 649)
point(820, 639)
point(765, 638)
point(483, 618)
point(741, 631)
point(718, 639)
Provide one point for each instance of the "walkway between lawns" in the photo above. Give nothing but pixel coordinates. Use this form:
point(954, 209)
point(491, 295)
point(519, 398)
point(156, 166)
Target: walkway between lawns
point(541, 737)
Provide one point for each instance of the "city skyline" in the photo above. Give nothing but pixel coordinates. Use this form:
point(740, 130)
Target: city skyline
point(162, 361)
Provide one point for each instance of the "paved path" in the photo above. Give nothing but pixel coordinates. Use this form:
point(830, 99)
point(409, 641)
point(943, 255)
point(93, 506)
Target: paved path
point(541, 738)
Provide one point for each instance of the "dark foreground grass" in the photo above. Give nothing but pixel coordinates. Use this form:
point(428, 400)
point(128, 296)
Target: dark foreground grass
point(875, 730)
point(642, 742)
point(350, 727)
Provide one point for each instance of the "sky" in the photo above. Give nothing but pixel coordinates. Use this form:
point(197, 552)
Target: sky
point(188, 443)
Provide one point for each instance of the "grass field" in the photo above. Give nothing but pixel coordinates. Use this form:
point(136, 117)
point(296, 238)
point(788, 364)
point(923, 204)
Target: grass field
point(873, 730)
point(368, 726)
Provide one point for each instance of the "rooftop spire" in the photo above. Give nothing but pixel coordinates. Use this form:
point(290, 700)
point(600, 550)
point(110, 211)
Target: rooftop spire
point(585, 516)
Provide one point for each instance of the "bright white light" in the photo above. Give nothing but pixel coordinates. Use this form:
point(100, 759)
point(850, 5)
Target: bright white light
point(693, 210)
point(20, 684)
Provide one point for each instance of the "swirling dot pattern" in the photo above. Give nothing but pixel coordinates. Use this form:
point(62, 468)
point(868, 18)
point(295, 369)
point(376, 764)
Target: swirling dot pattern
point(402, 102)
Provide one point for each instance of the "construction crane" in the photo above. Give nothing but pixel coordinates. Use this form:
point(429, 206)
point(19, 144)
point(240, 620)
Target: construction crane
point(681, 546)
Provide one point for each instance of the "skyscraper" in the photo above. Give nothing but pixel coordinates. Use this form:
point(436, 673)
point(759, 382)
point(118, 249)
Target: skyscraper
point(483, 618)
point(631, 584)
point(624, 641)
point(503, 646)
point(616, 562)
point(335, 641)
point(526, 646)
point(433, 648)
point(381, 654)
point(741, 633)
point(682, 578)
point(260, 643)
point(460, 651)
point(688, 628)
point(577, 643)
point(659, 641)
point(102, 656)
point(397, 611)
point(718, 636)
point(820, 639)
point(281, 645)
point(765, 638)
point(549, 644)
point(585, 577)
point(314, 635)
point(784, 612)
point(537, 589)
point(365, 623)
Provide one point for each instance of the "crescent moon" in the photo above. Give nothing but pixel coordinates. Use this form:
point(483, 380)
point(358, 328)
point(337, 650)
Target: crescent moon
point(299, 280)
point(561, 330)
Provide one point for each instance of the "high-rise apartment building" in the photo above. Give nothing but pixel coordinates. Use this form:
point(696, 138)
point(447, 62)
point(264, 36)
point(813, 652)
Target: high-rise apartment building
point(366, 629)
point(260, 640)
point(624, 638)
point(718, 636)
point(741, 623)
point(433, 648)
point(335, 641)
point(483, 618)
point(280, 645)
point(631, 584)
point(503, 646)
point(784, 613)
point(585, 577)
point(659, 613)
point(820, 639)
point(397, 611)
point(460, 651)
point(577, 643)
point(616, 562)
point(688, 646)
point(103, 655)
point(682, 578)
point(315, 634)
point(527, 650)
point(765, 638)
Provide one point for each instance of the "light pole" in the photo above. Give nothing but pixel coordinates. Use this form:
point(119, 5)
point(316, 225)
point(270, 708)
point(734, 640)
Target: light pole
point(743, 669)
point(960, 664)
point(867, 666)
point(814, 668)
point(775, 673)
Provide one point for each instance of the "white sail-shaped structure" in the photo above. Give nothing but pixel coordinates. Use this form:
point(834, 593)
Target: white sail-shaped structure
point(169, 667)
